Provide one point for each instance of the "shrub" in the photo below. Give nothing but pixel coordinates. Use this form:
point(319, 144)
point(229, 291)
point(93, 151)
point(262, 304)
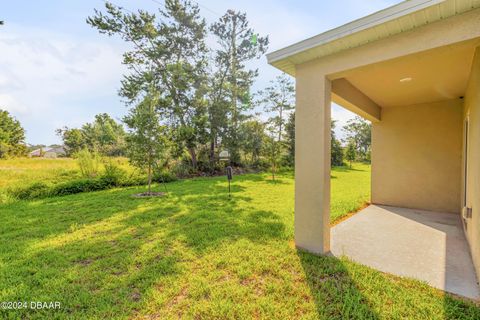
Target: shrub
point(78, 186)
point(261, 164)
point(89, 163)
point(182, 169)
point(164, 176)
point(6, 198)
point(114, 176)
point(32, 191)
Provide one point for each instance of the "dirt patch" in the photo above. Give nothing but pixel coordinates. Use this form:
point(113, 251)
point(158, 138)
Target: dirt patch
point(85, 262)
point(135, 295)
point(148, 194)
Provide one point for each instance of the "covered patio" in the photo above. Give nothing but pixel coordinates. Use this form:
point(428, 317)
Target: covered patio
point(413, 70)
point(424, 245)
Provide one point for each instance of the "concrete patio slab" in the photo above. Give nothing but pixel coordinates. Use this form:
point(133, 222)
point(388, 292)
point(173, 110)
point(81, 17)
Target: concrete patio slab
point(425, 245)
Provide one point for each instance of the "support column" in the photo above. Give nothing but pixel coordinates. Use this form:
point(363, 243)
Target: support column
point(312, 161)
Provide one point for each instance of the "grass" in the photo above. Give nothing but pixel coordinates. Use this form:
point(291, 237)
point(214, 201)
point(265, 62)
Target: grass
point(23, 171)
point(350, 190)
point(14, 172)
point(195, 254)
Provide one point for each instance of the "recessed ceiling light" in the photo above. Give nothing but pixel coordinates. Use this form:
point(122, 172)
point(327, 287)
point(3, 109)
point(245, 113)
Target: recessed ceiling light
point(407, 79)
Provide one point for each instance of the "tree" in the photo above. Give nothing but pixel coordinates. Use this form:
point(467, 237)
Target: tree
point(12, 136)
point(278, 99)
point(336, 152)
point(238, 45)
point(336, 147)
point(146, 140)
point(170, 54)
point(359, 133)
point(73, 139)
point(105, 135)
point(290, 139)
point(350, 153)
point(272, 150)
point(252, 134)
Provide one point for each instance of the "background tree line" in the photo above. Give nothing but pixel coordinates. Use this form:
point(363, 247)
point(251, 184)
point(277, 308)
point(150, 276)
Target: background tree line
point(188, 101)
point(104, 135)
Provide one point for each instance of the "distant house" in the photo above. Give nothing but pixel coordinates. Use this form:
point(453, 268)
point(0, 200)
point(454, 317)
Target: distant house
point(49, 152)
point(54, 152)
point(36, 153)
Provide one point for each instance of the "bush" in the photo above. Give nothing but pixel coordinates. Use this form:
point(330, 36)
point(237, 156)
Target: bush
point(261, 164)
point(33, 191)
point(164, 176)
point(182, 169)
point(114, 176)
point(5, 198)
point(78, 186)
point(89, 163)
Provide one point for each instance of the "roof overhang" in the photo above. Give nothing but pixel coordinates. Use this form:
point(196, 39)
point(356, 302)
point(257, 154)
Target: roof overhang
point(399, 18)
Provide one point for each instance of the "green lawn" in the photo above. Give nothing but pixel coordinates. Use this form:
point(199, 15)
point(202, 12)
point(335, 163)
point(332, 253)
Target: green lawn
point(350, 189)
point(24, 171)
point(197, 254)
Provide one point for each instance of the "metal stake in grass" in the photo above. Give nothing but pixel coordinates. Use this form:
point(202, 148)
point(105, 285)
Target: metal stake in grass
point(225, 156)
point(229, 177)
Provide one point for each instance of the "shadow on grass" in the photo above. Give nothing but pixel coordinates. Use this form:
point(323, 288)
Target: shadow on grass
point(347, 169)
point(345, 290)
point(102, 254)
point(335, 294)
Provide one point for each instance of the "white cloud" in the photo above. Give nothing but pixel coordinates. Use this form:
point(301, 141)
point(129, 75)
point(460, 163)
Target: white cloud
point(42, 70)
point(49, 79)
point(9, 103)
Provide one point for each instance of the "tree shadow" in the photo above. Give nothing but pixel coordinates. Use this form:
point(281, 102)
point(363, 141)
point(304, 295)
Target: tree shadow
point(335, 294)
point(110, 257)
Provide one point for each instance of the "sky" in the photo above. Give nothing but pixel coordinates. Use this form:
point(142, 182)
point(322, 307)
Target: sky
point(55, 70)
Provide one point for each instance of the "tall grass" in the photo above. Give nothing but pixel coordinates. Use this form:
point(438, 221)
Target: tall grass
point(88, 162)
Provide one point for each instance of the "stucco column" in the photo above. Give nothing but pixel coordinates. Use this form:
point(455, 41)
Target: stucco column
point(312, 160)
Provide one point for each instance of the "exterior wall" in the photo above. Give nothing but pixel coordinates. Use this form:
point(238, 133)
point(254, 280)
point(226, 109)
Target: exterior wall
point(416, 156)
point(472, 110)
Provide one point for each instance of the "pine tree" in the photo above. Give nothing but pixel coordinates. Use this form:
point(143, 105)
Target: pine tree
point(169, 52)
point(238, 45)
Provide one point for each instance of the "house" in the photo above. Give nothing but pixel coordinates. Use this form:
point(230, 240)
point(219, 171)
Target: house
point(55, 152)
point(413, 70)
point(50, 152)
point(36, 153)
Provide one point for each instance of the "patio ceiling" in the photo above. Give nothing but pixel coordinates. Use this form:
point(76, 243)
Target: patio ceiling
point(431, 76)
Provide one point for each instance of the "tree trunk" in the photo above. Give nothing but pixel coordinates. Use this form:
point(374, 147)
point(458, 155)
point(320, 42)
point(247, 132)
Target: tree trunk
point(212, 151)
point(193, 156)
point(280, 126)
point(273, 171)
point(149, 178)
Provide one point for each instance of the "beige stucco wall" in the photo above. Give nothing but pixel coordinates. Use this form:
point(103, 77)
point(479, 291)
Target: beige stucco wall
point(431, 180)
point(312, 161)
point(416, 156)
point(472, 110)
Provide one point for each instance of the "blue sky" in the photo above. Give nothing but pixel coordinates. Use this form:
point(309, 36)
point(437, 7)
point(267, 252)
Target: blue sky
point(55, 70)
